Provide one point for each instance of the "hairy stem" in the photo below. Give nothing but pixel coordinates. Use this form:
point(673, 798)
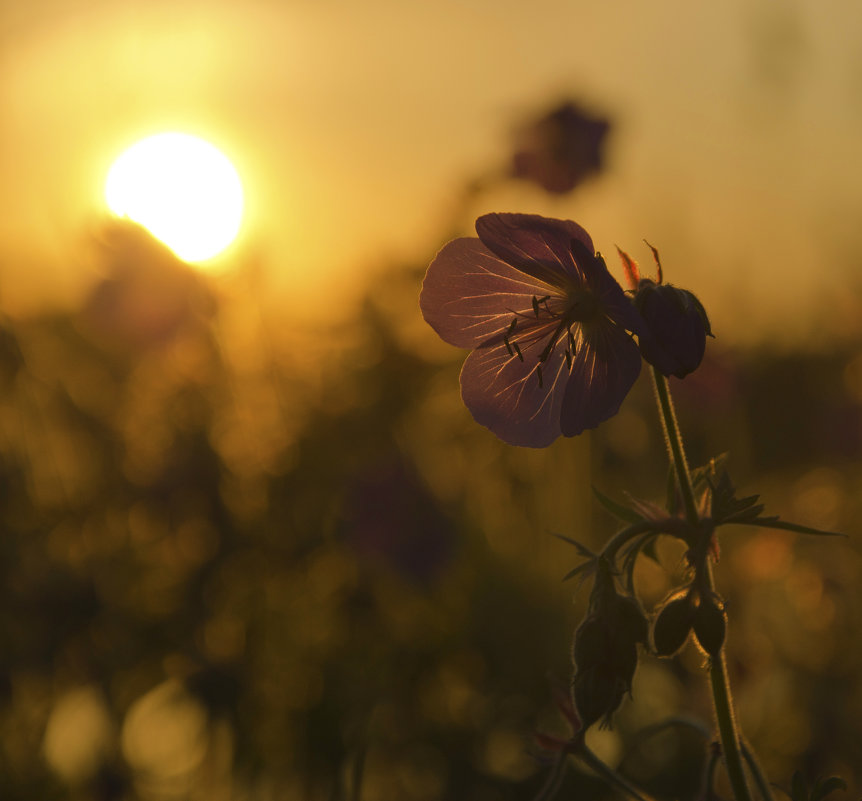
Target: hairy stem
point(610, 775)
point(722, 700)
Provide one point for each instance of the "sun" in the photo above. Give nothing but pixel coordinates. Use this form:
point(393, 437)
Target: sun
point(182, 189)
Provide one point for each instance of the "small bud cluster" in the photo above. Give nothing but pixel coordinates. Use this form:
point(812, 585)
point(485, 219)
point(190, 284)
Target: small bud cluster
point(605, 652)
point(685, 613)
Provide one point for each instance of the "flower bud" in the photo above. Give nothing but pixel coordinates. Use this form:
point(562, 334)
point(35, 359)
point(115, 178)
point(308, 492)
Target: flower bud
point(678, 327)
point(631, 620)
point(591, 643)
point(605, 651)
point(597, 694)
point(672, 626)
point(710, 624)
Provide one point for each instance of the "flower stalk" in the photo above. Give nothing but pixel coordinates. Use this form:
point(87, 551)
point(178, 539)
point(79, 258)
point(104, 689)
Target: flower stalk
point(721, 695)
point(611, 776)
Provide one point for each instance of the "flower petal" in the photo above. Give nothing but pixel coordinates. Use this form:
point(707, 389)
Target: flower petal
point(616, 304)
point(469, 294)
point(504, 394)
point(538, 245)
point(606, 364)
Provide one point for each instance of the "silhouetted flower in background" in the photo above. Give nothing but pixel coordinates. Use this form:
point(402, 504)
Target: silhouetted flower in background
point(390, 517)
point(560, 149)
point(548, 323)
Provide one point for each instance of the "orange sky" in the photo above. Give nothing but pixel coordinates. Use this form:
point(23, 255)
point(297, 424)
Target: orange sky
point(355, 124)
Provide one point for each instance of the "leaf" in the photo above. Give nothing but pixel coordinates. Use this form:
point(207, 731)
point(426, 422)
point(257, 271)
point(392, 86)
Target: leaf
point(619, 511)
point(586, 567)
point(647, 510)
point(582, 549)
point(774, 522)
point(823, 787)
point(709, 472)
point(727, 507)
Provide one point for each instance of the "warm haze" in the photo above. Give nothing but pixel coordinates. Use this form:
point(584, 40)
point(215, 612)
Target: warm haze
point(352, 127)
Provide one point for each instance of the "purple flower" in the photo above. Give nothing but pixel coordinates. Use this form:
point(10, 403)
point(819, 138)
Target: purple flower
point(547, 323)
point(562, 148)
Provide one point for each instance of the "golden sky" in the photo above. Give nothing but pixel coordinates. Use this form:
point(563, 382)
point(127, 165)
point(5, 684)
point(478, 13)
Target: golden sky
point(354, 126)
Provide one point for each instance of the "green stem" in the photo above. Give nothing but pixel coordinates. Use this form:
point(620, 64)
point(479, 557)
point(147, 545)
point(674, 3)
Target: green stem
point(673, 440)
point(757, 773)
point(610, 775)
point(721, 696)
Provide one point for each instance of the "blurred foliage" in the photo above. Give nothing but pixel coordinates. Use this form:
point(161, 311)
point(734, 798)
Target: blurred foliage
point(245, 561)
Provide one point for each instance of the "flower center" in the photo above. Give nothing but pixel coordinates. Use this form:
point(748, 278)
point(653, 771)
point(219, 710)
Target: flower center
point(581, 306)
point(579, 309)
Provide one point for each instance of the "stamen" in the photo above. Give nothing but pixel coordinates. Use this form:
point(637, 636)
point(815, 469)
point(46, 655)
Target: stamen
point(518, 351)
point(509, 331)
point(569, 359)
point(536, 306)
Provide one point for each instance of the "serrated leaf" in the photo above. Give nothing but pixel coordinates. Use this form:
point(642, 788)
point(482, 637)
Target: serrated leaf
point(823, 787)
point(581, 548)
point(586, 568)
point(646, 509)
point(708, 473)
point(741, 516)
point(774, 522)
point(619, 511)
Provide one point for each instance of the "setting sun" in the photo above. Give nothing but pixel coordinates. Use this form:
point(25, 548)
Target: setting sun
point(180, 188)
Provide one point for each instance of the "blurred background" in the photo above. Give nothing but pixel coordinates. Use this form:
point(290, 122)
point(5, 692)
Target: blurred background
point(253, 547)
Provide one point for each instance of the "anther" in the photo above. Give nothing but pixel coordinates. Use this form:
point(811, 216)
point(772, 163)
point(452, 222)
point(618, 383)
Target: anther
point(539, 373)
point(518, 351)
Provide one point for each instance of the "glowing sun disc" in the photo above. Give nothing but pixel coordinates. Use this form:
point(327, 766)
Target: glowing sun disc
point(182, 189)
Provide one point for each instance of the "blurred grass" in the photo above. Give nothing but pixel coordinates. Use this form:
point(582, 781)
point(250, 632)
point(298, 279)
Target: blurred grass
point(239, 561)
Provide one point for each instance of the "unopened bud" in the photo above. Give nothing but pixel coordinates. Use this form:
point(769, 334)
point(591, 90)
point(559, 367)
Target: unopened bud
point(591, 643)
point(672, 626)
point(597, 694)
point(710, 625)
point(677, 326)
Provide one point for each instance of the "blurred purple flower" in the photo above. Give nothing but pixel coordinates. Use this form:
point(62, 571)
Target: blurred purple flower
point(559, 150)
point(547, 322)
point(391, 518)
